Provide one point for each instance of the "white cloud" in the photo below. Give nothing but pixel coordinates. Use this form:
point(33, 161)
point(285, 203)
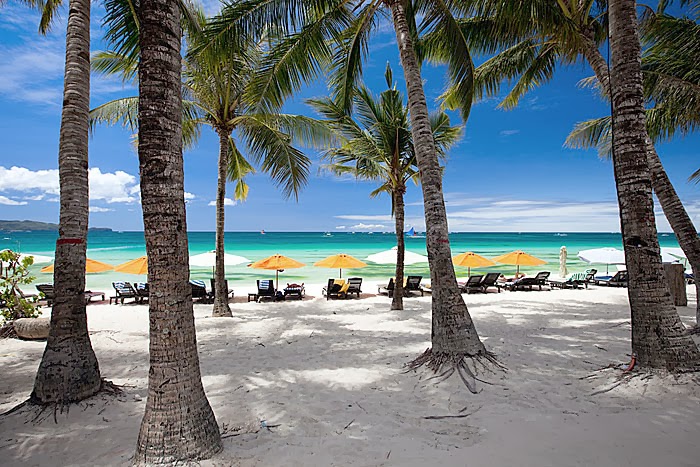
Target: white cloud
point(11, 202)
point(362, 226)
point(117, 187)
point(553, 215)
point(189, 196)
point(31, 72)
point(227, 202)
point(360, 217)
point(99, 209)
point(34, 198)
point(340, 227)
point(508, 132)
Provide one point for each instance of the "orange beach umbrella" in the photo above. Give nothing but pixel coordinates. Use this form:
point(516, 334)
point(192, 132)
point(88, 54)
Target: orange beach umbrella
point(90, 266)
point(471, 260)
point(277, 263)
point(341, 261)
point(519, 258)
point(135, 266)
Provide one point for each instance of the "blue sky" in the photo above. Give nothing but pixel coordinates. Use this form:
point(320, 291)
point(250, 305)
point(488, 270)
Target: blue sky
point(510, 172)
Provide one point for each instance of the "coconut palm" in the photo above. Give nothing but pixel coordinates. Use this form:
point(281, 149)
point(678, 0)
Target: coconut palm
point(334, 35)
point(377, 145)
point(69, 371)
point(215, 86)
point(541, 35)
point(178, 424)
point(659, 338)
point(672, 86)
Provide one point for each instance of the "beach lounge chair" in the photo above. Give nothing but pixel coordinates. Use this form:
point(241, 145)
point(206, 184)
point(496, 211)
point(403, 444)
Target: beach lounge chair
point(527, 283)
point(387, 289)
point(336, 288)
point(47, 290)
point(472, 285)
point(294, 291)
point(490, 280)
point(413, 285)
point(122, 291)
point(199, 290)
point(618, 280)
point(212, 282)
point(141, 289)
point(355, 286)
point(266, 289)
point(89, 295)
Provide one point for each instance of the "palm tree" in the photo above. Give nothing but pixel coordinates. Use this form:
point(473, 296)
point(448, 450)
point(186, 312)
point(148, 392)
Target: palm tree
point(334, 35)
point(378, 146)
point(178, 424)
point(659, 338)
point(216, 84)
point(69, 371)
point(567, 30)
point(540, 35)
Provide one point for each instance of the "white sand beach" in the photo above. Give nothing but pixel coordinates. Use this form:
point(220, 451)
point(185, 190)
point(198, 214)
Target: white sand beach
point(327, 380)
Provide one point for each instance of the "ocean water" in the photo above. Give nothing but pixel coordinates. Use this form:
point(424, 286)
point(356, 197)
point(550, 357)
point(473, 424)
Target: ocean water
point(308, 247)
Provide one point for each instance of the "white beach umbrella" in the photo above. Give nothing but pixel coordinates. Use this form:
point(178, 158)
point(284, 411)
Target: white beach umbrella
point(675, 252)
point(562, 262)
point(606, 256)
point(208, 259)
point(389, 257)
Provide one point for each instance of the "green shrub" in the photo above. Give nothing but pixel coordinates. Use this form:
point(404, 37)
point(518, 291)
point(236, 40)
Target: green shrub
point(13, 273)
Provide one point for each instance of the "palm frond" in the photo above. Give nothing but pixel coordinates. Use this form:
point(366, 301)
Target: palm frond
point(351, 51)
point(270, 147)
point(297, 59)
point(113, 63)
point(451, 47)
point(592, 133)
point(237, 170)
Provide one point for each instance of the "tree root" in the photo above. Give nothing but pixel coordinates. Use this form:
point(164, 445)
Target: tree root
point(446, 364)
point(7, 331)
point(39, 412)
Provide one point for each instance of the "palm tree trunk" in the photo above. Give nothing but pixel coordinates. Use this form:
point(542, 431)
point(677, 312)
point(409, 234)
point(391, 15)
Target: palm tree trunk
point(677, 216)
point(69, 371)
point(178, 424)
point(397, 300)
point(221, 307)
point(453, 332)
point(659, 338)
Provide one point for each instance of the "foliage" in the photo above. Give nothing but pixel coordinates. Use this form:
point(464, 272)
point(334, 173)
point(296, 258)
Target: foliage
point(14, 271)
point(377, 144)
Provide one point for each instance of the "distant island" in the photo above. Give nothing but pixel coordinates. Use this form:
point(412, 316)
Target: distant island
point(22, 226)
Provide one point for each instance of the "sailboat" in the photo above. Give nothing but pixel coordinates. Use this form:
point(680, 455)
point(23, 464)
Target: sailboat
point(412, 233)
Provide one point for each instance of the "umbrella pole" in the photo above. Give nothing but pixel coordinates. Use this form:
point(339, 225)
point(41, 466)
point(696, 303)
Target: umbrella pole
point(277, 280)
point(341, 272)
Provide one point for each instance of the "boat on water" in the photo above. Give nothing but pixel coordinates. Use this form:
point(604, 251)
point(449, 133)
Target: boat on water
point(262, 232)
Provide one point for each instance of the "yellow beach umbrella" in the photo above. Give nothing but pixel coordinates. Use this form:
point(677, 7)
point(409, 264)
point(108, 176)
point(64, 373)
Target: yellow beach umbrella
point(90, 266)
point(471, 260)
point(341, 261)
point(519, 258)
point(277, 263)
point(135, 266)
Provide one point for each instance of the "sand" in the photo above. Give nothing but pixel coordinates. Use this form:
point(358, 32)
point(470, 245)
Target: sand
point(328, 377)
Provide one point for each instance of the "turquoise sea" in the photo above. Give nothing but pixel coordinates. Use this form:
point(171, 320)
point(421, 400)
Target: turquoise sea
point(308, 247)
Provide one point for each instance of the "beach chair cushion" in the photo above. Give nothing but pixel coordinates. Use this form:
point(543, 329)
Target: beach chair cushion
point(344, 288)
